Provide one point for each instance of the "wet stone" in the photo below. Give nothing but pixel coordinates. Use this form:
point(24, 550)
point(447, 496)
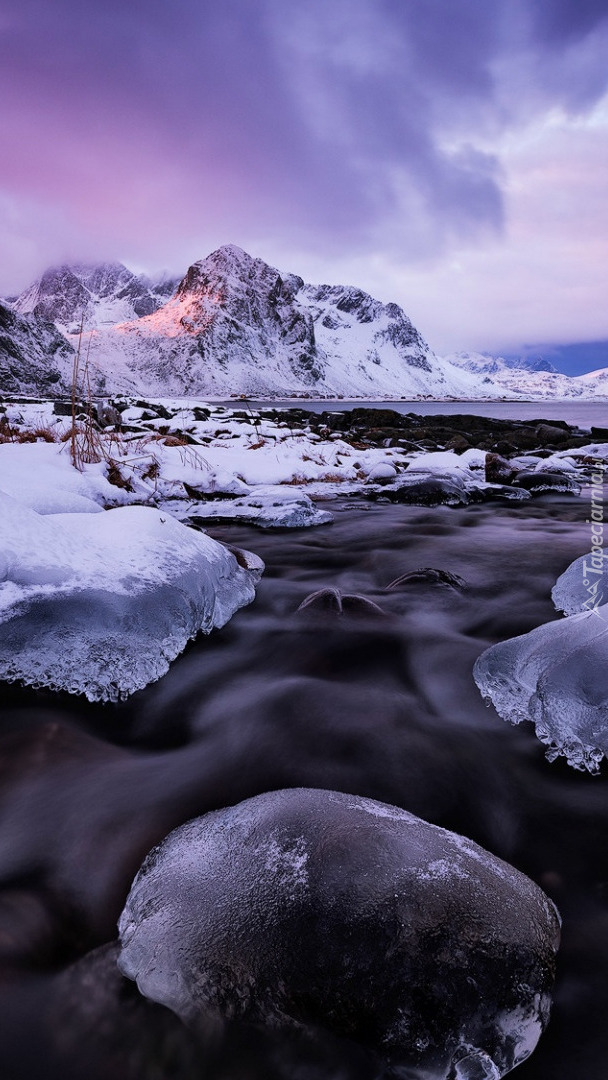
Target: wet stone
point(538, 482)
point(306, 909)
point(333, 602)
point(429, 575)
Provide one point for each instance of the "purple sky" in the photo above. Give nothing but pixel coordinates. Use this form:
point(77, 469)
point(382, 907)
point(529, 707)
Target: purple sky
point(451, 155)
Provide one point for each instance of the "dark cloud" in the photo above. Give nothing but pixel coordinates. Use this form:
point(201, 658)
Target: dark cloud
point(333, 121)
point(567, 20)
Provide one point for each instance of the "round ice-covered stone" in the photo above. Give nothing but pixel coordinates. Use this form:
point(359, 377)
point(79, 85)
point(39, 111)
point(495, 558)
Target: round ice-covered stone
point(306, 908)
point(557, 677)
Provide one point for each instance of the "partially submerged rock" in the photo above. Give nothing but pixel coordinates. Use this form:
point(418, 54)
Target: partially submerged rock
point(428, 575)
point(538, 482)
point(429, 490)
point(556, 676)
point(584, 585)
point(269, 506)
point(305, 909)
point(332, 601)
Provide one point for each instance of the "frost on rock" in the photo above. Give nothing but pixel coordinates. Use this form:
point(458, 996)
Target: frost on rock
point(583, 586)
point(313, 909)
point(556, 676)
point(100, 604)
point(269, 506)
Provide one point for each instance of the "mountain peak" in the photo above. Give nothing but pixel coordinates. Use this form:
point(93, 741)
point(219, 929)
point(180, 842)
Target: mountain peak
point(236, 324)
point(229, 253)
point(228, 263)
point(104, 278)
point(98, 294)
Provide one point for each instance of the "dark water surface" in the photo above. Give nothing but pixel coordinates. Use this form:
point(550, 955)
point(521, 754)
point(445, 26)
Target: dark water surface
point(380, 704)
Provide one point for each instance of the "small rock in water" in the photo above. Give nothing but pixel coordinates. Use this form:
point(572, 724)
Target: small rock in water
point(506, 491)
point(538, 482)
point(429, 575)
point(306, 909)
point(333, 602)
point(437, 491)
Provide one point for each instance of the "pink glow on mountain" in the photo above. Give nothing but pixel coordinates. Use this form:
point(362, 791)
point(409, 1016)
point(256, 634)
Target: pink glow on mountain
point(186, 314)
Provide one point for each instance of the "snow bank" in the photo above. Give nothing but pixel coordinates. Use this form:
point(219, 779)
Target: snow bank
point(41, 476)
point(100, 604)
point(184, 456)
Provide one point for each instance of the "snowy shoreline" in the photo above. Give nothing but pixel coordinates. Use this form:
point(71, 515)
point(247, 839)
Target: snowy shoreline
point(156, 467)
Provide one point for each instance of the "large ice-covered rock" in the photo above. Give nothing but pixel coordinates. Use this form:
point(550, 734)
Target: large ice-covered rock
point(269, 507)
point(100, 604)
point(556, 676)
point(306, 908)
point(584, 585)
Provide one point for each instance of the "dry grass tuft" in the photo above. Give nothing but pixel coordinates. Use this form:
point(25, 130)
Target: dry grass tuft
point(115, 476)
point(153, 471)
point(7, 432)
point(174, 440)
point(45, 434)
point(70, 434)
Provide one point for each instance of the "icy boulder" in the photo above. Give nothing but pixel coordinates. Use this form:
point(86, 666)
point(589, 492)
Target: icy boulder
point(307, 908)
point(556, 676)
point(100, 604)
point(541, 481)
point(269, 506)
point(584, 585)
point(433, 490)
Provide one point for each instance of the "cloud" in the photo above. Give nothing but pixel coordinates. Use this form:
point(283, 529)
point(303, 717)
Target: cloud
point(375, 131)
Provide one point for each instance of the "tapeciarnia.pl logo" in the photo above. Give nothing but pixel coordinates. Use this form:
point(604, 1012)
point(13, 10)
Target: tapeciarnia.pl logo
point(594, 567)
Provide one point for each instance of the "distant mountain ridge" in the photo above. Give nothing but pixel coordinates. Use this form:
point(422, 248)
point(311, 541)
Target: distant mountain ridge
point(237, 325)
point(530, 377)
point(234, 325)
point(484, 364)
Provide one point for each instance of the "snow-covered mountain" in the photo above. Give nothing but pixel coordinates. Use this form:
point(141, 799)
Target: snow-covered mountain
point(529, 378)
point(34, 357)
point(236, 326)
point(484, 364)
point(597, 380)
point(96, 295)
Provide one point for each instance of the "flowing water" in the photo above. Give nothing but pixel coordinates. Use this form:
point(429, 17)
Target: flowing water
point(377, 701)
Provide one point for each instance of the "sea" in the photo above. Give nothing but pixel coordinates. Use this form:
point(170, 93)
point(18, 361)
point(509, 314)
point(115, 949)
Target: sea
point(582, 414)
